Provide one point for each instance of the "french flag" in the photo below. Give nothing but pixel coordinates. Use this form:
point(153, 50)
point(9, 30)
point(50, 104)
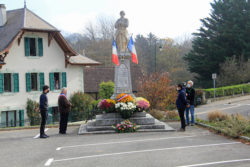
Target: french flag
point(131, 48)
point(114, 54)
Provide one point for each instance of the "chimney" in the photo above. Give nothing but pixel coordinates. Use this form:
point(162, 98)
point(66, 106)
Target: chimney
point(3, 16)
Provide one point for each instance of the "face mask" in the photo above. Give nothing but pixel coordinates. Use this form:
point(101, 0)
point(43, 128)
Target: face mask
point(188, 85)
point(48, 91)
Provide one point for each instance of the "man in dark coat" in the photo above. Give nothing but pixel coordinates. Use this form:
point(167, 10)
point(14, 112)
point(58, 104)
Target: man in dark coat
point(64, 109)
point(190, 93)
point(44, 110)
point(181, 105)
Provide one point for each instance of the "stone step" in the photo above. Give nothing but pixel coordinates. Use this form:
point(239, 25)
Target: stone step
point(105, 128)
point(136, 120)
point(117, 115)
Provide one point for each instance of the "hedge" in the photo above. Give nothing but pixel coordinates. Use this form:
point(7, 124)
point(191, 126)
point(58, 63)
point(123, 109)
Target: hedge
point(227, 90)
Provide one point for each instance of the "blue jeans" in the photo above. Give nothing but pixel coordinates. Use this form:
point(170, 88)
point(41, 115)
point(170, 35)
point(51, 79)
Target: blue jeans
point(191, 108)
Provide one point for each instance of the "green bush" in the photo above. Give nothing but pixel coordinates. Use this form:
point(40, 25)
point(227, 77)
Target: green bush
point(32, 108)
point(106, 89)
point(81, 106)
point(227, 90)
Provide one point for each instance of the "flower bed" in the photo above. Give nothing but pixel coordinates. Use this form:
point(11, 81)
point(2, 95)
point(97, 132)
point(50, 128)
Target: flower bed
point(107, 105)
point(125, 109)
point(141, 104)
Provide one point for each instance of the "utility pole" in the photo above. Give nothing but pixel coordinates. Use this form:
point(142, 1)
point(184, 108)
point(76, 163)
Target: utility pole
point(214, 76)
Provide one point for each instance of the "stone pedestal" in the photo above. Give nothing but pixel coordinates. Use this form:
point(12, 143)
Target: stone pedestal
point(123, 82)
point(104, 122)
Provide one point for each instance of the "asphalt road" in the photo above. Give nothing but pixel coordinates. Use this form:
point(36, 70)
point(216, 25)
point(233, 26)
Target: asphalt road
point(240, 105)
point(195, 147)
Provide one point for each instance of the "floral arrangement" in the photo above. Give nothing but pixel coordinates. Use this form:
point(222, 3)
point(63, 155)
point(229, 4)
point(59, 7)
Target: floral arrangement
point(124, 98)
point(107, 105)
point(125, 109)
point(125, 126)
point(141, 104)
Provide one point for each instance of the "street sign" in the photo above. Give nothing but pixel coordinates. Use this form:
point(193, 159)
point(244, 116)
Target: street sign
point(214, 76)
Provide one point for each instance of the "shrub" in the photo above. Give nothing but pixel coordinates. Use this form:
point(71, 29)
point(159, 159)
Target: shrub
point(106, 89)
point(157, 89)
point(32, 108)
point(216, 116)
point(81, 106)
point(172, 115)
point(157, 114)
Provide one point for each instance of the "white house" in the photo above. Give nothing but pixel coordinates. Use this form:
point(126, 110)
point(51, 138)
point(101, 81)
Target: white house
point(34, 53)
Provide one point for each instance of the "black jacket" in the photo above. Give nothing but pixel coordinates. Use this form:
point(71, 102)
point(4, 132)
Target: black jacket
point(190, 95)
point(43, 102)
point(63, 104)
point(181, 99)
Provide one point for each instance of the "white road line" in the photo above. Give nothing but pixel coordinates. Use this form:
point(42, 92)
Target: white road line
point(38, 135)
point(48, 163)
point(133, 152)
point(120, 142)
point(219, 162)
point(220, 109)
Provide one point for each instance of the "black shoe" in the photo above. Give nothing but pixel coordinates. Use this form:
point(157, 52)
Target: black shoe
point(43, 136)
point(192, 124)
point(62, 133)
point(46, 135)
point(187, 124)
point(181, 130)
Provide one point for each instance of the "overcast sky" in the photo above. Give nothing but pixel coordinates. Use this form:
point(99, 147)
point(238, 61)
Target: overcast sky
point(164, 18)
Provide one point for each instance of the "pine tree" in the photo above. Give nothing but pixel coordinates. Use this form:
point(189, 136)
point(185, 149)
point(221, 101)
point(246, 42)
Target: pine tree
point(223, 35)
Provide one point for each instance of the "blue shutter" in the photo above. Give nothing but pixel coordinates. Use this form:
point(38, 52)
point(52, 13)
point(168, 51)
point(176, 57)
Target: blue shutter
point(21, 117)
point(1, 83)
point(40, 47)
point(50, 116)
point(51, 81)
point(64, 79)
point(27, 46)
point(16, 82)
point(28, 82)
point(41, 76)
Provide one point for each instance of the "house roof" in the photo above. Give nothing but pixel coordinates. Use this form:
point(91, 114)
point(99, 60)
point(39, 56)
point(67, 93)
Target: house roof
point(21, 20)
point(93, 76)
point(82, 60)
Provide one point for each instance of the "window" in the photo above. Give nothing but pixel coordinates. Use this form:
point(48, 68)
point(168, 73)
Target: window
point(34, 81)
point(9, 82)
point(8, 118)
point(57, 80)
point(33, 46)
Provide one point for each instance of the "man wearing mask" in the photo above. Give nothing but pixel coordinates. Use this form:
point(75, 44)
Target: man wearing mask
point(44, 110)
point(190, 93)
point(64, 109)
point(181, 105)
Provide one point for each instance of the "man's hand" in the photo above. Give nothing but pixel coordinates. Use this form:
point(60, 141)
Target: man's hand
point(188, 105)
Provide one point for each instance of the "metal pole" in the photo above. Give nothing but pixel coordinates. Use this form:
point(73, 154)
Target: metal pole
point(214, 91)
point(155, 56)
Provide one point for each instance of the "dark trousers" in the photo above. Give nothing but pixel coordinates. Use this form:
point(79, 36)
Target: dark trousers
point(63, 122)
point(44, 116)
point(181, 112)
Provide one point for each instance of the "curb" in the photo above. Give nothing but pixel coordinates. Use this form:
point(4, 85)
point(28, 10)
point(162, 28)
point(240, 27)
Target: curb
point(34, 127)
point(220, 131)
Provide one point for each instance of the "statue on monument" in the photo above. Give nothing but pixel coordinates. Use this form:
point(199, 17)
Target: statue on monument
point(121, 32)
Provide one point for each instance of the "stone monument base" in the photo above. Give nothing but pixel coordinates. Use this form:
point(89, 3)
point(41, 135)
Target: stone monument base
point(103, 123)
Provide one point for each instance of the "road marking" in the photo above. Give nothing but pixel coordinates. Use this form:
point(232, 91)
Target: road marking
point(120, 142)
point(51, 160)
point(48, 163)
point(38, 135)
point(218, 162)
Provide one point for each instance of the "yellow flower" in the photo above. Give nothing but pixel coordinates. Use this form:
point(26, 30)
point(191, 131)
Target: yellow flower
point(110, 101)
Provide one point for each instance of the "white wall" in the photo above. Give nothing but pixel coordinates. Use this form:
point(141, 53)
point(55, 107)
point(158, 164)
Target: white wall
point(52, 61)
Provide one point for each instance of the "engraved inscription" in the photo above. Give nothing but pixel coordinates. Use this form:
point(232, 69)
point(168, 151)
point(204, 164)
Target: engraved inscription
point(123, 75)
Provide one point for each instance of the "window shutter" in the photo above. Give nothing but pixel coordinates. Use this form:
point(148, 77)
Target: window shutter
point(41, 75)
point(28, 82)
point(16, 82)
point(51, 81)
point(64, 79)
point(21, 117)
point(1, 83)
point(40, 47)
point(27, 46)
point(50, 116)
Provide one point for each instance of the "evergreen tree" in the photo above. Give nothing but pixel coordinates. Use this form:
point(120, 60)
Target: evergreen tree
point(226, 33)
